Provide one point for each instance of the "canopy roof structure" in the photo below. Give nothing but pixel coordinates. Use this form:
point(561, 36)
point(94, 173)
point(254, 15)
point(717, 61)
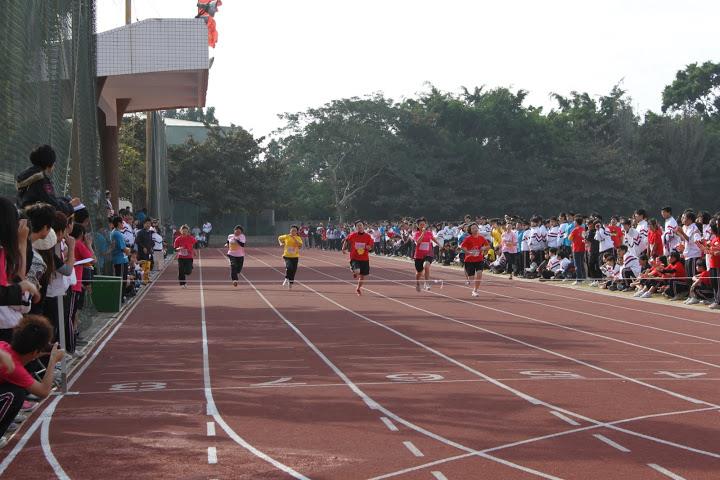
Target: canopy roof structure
point(153, 64)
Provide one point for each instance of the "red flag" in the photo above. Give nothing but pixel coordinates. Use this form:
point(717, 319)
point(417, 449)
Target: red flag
point(207, 10)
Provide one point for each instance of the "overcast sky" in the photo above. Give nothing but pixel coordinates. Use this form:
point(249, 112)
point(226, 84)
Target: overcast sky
point(276, 56)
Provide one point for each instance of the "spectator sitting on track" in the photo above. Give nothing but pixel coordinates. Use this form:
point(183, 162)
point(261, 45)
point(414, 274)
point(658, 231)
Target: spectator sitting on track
point(30, 342)
point(701, 288)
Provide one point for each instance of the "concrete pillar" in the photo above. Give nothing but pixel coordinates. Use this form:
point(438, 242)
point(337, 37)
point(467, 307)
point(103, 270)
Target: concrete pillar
point(109, 137)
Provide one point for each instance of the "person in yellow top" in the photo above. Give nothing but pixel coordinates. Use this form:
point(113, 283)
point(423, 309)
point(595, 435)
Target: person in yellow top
point(291, 243)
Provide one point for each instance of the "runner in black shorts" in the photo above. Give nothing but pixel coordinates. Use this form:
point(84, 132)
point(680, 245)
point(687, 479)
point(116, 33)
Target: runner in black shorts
point(359, 243)
point(424, 240)
point(360, 267)
point(474, 246)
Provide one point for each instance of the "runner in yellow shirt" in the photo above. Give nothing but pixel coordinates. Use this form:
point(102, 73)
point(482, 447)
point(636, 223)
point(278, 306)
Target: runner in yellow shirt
point(291, 243)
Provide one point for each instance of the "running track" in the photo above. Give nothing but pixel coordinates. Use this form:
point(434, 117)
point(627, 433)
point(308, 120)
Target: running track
point(255, 382)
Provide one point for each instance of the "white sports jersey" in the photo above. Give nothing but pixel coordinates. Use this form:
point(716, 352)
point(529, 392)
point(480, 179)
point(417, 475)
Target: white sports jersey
point(691, 248)
point(670, 237)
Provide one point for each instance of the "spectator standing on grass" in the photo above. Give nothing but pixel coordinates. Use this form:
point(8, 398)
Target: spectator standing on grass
point(654, 239)
point(84, 272)
point(185, 247)
point(207, 230)
point(145, 245)
point(712, 249)
point(34, 185)
point(670, 238)
point(577, 237)
point(119, 251)
point(236, 253)
point(128, 229)
point(690, 242)
point(30, 342)
point(158, 247)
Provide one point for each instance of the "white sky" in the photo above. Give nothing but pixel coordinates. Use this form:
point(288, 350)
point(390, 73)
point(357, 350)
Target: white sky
point(276, 56)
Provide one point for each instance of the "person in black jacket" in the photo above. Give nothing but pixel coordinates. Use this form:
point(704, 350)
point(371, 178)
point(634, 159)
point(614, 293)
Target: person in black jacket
point(34, 184)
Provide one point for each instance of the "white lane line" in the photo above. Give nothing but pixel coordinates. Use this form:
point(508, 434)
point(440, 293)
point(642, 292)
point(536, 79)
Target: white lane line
point(536, 347)
point(389, 424)
point(665, 471)
point(212, 455)
point(413, 449)
point(534, 440)
point(500, 384)
point(75, 376)
point(211, 429)
point(564, 418)
point(439, 476)
point(45, 441)
point(612, 443)
point(212, 408)
point(359, 392)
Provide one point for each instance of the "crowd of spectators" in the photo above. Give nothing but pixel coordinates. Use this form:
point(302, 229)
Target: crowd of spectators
point(49, 255)
point(645, 256)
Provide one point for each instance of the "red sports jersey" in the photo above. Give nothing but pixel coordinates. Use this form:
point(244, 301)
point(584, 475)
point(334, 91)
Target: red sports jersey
point(360, 245)
point(473, 248)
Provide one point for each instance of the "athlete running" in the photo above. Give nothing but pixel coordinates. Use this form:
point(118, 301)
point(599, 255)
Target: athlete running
point(291, 243)
point(424, 240)
point(474, 246)
point(359, 243)
point(236, 253)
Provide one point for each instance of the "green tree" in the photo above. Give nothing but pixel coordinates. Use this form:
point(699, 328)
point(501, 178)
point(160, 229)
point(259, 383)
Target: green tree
point(224, 172)
point(132, 160)
point(206, 115)
point(696, 89)
point(345, 145)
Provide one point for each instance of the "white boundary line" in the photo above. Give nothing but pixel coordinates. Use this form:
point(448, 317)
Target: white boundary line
point(212, 408)
point(665, 471)
point(389, 424)
point(537, 347)
point(439, 476)
point(212, 456)
point(565, 418)
point(376, 406)
point(45, 441)
point(597, 424)
point(500, 384)
point(612, 443)
point(413, 449)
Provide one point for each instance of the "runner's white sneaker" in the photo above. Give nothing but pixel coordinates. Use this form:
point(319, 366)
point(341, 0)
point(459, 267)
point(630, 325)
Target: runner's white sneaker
point(692, 301)
point(475, 293)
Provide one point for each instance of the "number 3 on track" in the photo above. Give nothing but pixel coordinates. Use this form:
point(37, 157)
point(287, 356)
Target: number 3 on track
point(138, 387)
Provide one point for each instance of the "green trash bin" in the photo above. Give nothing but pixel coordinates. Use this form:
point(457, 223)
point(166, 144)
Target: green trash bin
point(107, 293)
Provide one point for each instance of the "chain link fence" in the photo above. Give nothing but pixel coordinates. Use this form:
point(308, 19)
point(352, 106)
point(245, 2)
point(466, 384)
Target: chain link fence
point(48, 95)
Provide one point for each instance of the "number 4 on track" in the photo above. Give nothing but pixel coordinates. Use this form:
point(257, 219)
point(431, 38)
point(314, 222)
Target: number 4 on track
point(551, 374)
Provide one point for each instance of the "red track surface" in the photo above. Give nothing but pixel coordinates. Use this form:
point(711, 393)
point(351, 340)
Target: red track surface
point(528, 381)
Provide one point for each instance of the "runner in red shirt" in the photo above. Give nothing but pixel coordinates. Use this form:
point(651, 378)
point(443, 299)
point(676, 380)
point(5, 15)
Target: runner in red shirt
point(184, 245)
point(424, 240)
point(359, 243)
point(474, 246)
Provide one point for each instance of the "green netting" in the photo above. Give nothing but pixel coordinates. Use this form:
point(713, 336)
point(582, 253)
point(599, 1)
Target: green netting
point(48, 94)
